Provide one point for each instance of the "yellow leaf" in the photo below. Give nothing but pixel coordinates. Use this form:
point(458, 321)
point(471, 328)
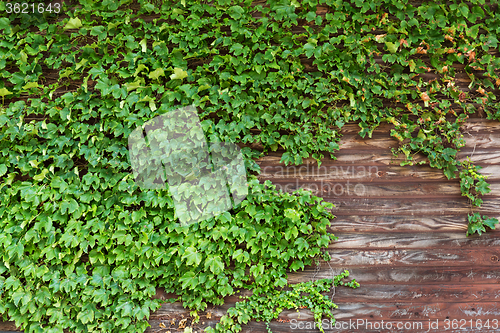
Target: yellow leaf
point(73, 23)
point(4, 92)
point(179, 74)
point(31, 85)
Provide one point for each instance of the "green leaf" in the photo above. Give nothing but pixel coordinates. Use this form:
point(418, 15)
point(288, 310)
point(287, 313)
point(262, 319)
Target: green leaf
point(483, 187)
point(215, 264)
point(464, 9)
point(412, 65)
point(490, 222)
point(134, 85)
point(291, 233)
point(151, 102)
point(73, 23)
point(85, 316)
point(179, 74)
point(144, 45)
point(3, 169)
point(42, 175)
point(292, 214)
point(236, 12)
point(392, 47)
point(4, 22)
point(156, 74)
point(4, 92)
point(301, 244)
point(31, 85)
point(189, 280)
point(69, 205)
point(475, 227)
point(192, 256)
point(473, 31)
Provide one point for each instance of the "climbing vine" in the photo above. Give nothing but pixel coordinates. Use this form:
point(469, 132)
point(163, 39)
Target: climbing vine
point(83, 248)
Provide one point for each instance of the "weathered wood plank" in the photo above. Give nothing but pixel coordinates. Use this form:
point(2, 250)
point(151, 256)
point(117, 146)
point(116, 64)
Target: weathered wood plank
point(404, 275)
point(8, 326)
point(386, 310)
point(480, 140)
point(422, 257)
point(418, 293)
point(333, 171)
point(370, 312)
point(365, 326)
point(409, 206)
point(421, 240)
point(328, 188)
point(474, 125)
point(385, 157)
point(383, 223)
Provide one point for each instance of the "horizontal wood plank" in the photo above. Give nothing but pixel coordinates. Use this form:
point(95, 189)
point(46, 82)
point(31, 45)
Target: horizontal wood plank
point(413, 240)
point(404, 275)
point(327, 188)
point(423, 257)
point(382, 157)
point(337, 172)
point(397, 223)
point(409, 206)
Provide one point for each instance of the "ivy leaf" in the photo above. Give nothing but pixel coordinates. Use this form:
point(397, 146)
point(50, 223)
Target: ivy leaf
point(151, 101)
point(4, 23)
point(179, 74)
point(134, 85)
point(73, 23)
point(85, 316)
point(236, 12)
point(31, 85)
point(42, 175)
point(215, 264)
point(473, 31)
point(412, 65)
point(139, 68)
point(475, 227)
point(309, 48)
point(392, 47)
point(189, 279)
point(144, 45)
point(69, 205)
point(301, 244)
point(156, 74)
point(490, 222)
point(192, 256)
point(292, 214)
point(4, 92)
point(291, 233)
point(3, 169)
point(483, 187)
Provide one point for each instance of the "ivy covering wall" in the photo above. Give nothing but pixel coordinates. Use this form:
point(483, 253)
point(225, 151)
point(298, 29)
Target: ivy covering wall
point(83, 248)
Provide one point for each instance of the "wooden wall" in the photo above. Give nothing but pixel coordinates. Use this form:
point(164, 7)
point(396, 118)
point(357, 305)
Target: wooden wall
point(401, 235)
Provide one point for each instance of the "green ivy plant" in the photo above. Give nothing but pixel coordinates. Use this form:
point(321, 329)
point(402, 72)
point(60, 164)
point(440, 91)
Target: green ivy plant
point(268, 306)
point(83, 248)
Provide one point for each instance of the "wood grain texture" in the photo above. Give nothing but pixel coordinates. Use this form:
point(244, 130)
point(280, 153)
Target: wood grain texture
point(444, 275)
point(439, 206)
